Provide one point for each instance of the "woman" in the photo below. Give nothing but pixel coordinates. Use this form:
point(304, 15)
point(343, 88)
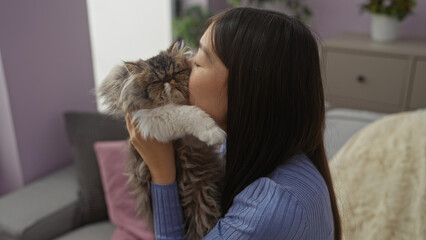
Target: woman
point(257, 75)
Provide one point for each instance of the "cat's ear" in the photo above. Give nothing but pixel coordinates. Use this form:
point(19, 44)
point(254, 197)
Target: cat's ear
point(134, 68)
point(176, 47)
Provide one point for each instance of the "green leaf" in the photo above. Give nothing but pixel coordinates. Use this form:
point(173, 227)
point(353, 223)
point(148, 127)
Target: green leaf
point(399, 9)
point(191, 25)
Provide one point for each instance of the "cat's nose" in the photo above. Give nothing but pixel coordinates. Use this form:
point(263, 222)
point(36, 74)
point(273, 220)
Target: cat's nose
point(167, 79)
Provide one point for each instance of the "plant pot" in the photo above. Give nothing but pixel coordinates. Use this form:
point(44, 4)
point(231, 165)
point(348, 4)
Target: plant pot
point(384, 28)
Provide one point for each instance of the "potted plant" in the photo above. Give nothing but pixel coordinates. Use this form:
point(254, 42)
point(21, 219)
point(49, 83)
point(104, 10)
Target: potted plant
point(190, 25)
point(386, 16)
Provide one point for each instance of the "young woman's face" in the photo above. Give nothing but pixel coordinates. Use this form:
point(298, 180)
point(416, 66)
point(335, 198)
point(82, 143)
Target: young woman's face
point(208, 82)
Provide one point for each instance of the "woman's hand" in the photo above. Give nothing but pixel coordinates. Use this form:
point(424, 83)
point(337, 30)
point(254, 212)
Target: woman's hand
point(159, 157)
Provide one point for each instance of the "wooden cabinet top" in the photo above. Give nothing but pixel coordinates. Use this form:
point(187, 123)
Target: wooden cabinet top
point(362, 42)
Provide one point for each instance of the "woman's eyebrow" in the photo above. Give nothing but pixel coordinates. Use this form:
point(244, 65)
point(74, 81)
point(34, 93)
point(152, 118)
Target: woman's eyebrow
point(205, 50)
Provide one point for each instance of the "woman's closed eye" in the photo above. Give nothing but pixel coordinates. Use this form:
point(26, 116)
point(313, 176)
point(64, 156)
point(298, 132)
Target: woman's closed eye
point(196, 64)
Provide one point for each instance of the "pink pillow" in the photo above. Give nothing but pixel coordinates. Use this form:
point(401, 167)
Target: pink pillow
point(112, 157)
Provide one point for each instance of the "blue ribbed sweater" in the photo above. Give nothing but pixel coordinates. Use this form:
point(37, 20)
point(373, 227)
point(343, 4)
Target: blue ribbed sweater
point(291, 203)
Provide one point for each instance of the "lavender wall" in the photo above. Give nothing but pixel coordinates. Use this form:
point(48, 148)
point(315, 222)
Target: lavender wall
point(10, 167)
point(47, 65)
point(333, 17)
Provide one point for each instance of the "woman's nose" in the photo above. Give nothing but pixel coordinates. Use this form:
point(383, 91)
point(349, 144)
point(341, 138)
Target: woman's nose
point(190, 62)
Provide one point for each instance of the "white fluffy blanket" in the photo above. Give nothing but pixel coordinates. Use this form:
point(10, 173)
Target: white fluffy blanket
point(380, 179)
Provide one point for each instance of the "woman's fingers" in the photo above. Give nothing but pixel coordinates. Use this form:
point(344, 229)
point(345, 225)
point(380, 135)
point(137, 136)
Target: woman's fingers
point(158, 156)
point(135, 137)
point(128, 122)
point(130, 128)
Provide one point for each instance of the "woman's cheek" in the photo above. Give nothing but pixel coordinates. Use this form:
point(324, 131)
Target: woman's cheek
point(192, 90)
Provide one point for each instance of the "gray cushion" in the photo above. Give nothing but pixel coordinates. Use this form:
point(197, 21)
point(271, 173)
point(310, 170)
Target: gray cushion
point(342, 123)
point(43, 209)
point(100, 230)
point(85, 128)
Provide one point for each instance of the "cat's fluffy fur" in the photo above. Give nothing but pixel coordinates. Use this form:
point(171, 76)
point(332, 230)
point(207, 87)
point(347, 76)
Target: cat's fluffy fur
point(156, 92)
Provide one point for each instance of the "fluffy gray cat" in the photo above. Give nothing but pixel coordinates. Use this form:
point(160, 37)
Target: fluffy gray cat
point(156, 92)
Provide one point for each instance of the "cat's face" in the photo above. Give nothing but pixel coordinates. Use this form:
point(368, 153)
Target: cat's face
point(157, 81)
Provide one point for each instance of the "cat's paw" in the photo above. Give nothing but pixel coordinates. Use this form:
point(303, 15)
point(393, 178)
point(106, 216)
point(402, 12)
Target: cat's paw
point(213, 136)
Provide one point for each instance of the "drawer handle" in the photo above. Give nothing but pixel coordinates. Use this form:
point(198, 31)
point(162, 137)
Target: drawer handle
point(361, 79)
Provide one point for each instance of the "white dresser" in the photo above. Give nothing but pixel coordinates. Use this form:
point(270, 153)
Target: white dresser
point(384, 77)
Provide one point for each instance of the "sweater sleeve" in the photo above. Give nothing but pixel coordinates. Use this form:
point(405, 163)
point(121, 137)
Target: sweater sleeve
point(263, 210)
point(168, 217)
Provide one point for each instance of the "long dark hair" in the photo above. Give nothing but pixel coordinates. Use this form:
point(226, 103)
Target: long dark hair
point(275, 97)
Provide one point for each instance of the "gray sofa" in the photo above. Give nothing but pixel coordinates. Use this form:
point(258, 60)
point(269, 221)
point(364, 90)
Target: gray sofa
point(47, 208)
